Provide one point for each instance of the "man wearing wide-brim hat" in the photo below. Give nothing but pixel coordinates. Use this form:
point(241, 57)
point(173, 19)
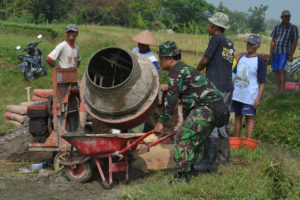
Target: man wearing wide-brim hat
point(145, 39)
point(218, 60)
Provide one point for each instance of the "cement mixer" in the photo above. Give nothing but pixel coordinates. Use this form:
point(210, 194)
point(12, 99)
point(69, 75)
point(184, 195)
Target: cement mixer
point(119, 88)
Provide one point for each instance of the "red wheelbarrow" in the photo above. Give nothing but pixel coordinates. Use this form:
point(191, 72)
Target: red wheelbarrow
point(93, 147)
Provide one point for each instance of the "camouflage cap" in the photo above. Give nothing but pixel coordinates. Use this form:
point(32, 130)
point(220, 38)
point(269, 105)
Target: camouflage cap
point(169, 48)
point(220, 19)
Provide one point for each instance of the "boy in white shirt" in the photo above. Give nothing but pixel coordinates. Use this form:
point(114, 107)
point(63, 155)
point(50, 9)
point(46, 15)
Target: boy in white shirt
point(249, 82)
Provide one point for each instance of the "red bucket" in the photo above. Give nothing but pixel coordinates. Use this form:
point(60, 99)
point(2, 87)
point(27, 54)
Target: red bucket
point(249, 144)
point(235, 142)
point(291, 86)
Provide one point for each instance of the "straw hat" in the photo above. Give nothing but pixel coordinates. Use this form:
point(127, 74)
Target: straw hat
point(145, 37)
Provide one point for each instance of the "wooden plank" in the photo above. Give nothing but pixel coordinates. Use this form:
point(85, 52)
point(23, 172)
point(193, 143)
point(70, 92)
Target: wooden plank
point(153, 165)
point(159, 157)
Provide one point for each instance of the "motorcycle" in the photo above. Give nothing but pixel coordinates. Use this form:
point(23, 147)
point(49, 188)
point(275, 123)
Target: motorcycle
point(32, 65)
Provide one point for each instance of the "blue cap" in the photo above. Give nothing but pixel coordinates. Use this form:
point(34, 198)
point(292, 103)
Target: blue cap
point(254, 39)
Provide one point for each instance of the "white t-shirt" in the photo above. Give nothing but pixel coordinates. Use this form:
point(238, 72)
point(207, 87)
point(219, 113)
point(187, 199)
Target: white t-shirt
point(66, 55)
point(150, 55)
point(246, 85)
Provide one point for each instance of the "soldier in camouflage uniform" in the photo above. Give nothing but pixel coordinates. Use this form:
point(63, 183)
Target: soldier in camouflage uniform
point(197, 93)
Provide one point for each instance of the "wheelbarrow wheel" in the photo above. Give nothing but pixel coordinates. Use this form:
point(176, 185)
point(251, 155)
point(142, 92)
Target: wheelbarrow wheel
point(80, 172)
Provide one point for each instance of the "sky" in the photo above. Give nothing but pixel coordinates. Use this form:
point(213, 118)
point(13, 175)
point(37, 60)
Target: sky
point(274, 10)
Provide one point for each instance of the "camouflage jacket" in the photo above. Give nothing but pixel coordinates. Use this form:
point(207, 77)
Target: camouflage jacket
point(191, 87)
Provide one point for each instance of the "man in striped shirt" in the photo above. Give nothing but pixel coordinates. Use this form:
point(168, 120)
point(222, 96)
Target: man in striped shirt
point(283, 46)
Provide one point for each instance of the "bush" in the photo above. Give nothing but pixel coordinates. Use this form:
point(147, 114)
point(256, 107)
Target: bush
point(42, 18)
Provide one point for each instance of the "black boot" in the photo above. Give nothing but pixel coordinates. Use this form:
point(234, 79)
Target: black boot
point(223, 151)
point(209, 156)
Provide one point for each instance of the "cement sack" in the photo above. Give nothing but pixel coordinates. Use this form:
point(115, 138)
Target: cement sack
point(15, 117)
point(15, 123)
point(18, 109)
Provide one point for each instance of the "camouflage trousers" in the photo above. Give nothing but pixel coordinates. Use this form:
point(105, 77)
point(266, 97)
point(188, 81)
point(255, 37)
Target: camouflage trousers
point(191, 135)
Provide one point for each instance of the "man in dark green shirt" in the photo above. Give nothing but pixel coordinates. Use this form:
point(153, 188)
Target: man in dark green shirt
point(198, 95)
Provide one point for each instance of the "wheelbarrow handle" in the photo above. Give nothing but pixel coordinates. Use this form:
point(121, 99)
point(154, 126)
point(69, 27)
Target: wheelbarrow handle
point(162, 139)
point(135, 142)
point(166, 136)
point(146, 149)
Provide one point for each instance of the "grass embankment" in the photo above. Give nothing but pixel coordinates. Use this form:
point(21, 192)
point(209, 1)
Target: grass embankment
point(260, 174)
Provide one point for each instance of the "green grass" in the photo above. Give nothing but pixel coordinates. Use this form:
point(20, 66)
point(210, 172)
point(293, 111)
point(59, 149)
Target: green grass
point(258, 174)
point(278, 117)
point(2, 186)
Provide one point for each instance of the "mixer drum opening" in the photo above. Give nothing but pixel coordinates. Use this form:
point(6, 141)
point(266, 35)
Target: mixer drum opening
point(110, 67)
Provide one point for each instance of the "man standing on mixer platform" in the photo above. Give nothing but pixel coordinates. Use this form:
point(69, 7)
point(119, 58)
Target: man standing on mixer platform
point(203, 108)
point(68, 55)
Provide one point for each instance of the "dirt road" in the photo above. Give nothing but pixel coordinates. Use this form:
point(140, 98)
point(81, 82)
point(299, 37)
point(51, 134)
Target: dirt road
point(43, 185)
point(47, 186)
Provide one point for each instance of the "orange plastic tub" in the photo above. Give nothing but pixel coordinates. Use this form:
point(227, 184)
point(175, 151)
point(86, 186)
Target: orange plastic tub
point(248, 143)
point(235, 142)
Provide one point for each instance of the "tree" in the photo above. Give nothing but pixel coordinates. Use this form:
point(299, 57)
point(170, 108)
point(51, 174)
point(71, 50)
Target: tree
point(10, 8)
point(156, 7)
point(257, 18)
point(185, 11)
point(271, 23)
point(236, 19)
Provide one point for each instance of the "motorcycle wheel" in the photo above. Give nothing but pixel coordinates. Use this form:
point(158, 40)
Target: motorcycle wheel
point(44, 71)
point(28, 74)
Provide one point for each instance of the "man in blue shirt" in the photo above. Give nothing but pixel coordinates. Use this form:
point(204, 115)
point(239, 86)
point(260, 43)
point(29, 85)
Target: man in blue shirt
point(283, 46)
point(145, 39)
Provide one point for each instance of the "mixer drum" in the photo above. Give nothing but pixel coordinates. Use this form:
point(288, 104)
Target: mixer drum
point(119, 87)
